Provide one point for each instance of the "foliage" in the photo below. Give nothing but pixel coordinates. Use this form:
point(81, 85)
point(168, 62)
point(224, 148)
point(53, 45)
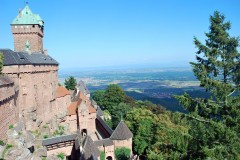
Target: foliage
point(6, 150)
point(122, 153)
point(59, 131)
point(70, 83)
point(102, 155)
point(215, 122)
point(61, 156)
point(99, 97)
point(45, 136)
point(1, 142)
point(10, 126)
point(1, 63)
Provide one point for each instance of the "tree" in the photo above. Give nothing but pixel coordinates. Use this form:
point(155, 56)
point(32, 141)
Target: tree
point(122, 153)
point(70, 83)
point(99, 97)
point(1, 62)
point(114, 95)
point(214, 120)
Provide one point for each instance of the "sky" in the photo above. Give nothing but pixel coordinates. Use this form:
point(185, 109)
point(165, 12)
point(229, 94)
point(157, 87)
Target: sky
point(102, 33)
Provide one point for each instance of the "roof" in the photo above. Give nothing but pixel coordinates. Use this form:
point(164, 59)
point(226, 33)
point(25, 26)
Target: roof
point(82, 87)
point(27, 17)
point(121, 132)
point(23, 58)
point(89, 149)
point(99, 111)
point(91, 109)
point(62, 91)
point(104, 125)
point(72, 107)
point(4, 80)
point(104, 142)
point(55, 140)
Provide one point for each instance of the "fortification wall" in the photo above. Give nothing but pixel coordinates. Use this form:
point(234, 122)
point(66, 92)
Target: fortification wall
point(123, 143)
point(37, 88)
point(8, 109)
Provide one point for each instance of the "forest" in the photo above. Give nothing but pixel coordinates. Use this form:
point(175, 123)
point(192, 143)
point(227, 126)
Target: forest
point(209, 129)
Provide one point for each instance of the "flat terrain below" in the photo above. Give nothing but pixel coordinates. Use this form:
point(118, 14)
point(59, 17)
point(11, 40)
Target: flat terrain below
point(156, 85)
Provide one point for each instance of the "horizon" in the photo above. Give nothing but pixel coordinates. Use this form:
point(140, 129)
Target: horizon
point(92, 34)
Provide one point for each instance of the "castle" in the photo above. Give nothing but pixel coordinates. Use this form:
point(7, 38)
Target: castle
point(29, 92)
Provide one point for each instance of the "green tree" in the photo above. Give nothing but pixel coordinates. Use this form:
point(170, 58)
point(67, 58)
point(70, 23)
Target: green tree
point(99, 97)
point(70, 83)
point(1, 63)
point(215, 121)
point(114, 95)
point(122, 153)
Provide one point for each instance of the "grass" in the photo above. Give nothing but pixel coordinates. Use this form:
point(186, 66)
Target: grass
point(61, 156)
point(6, 150)
point(10, 126)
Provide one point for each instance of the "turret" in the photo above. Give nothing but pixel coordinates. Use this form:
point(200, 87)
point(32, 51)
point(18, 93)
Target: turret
point(28, 31)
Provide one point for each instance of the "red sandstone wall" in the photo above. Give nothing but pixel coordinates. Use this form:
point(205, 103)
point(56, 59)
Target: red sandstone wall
point(123, 143)
point(32, 33)
point(37, 88)
point(8, 109)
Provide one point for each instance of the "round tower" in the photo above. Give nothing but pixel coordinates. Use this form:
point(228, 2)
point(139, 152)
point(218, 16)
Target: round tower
point(27, 28)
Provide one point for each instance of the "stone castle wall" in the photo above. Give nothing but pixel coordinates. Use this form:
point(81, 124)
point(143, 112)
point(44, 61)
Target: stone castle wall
point(32, 33)
point(8, 109)
point(123, 143)
point(37, 88)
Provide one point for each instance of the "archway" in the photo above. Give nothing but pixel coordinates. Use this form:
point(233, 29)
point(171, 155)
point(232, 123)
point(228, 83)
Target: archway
point(109, 158)
point(84, 132)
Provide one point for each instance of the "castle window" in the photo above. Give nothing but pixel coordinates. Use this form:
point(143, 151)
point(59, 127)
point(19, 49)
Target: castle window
point(33, 26)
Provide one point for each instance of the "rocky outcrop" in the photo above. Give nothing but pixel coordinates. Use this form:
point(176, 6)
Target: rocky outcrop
point(22, 145)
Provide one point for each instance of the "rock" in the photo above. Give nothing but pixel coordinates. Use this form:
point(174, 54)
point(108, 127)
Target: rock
point(37, 143)
point(12, 134)
point(41, 152)
point(29, 139)
point(2, 148)
point(52, 157)
point(31, 109)
point(45, 130)
point(39, 122)
point(19, 126)
point(17, 154)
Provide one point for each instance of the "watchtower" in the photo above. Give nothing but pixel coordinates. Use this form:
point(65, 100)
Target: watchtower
point(27, 30)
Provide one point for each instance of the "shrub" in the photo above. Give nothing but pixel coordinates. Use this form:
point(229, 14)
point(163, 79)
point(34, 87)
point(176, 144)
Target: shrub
point(61, 156)
point(45, 136)
point(10, 126)
point(122, 153)
point(1, 143)
point(102, 155)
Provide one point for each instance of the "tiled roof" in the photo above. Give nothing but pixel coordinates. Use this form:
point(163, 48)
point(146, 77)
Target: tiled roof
point(90, 149)
point(73, 106)
point(4, 80)
point(62, 91)
point(22, 58)
point(91, 109)
point(55, 140)
point(104, 142)
point(121, 132)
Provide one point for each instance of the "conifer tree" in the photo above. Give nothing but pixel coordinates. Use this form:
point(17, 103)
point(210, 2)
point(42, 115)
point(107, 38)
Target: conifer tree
point(215, 121)
point(70, 83)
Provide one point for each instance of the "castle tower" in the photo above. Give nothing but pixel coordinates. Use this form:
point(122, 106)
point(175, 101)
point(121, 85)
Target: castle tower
point(27, 30)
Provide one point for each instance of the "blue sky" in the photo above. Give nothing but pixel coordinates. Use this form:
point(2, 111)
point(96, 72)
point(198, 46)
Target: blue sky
point(97, 33)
